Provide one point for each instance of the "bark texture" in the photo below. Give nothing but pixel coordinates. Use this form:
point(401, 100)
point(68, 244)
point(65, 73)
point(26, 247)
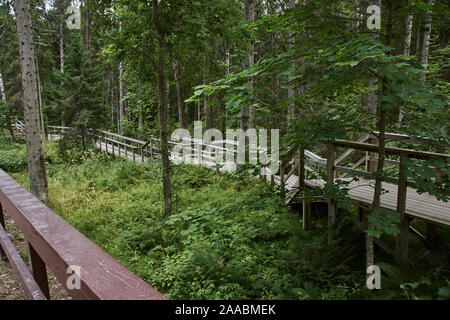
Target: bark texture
point(162, 110)
point(36, 164)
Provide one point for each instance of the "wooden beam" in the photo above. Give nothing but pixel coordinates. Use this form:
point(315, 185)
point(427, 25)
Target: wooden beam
point(401, 246)
point(39, 270)
point(371, 175)
point(331, 152)
point(2, 223)
point(282, 180)
point(350, 151)
point(391, 151)
point(29, 285)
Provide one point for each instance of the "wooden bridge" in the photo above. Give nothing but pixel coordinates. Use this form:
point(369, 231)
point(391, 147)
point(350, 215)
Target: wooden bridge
point(53, 242)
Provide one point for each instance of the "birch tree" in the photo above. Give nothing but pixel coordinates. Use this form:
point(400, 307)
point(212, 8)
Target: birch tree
point(426, 40)
point(407, 46)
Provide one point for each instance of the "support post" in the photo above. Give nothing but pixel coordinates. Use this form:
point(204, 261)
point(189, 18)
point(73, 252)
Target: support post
point(151, 149)
point(39, 270)
point(331, 153)
point(306, 204)
point(401, 246)
point(371, 165)
point(431, 232)
point(282, 182)
point(431, 227)
point(2, 223)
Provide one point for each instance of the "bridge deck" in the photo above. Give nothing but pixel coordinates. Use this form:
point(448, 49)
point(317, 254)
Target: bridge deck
point(420, 206)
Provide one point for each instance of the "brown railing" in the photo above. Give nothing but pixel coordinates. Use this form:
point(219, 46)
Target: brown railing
point(55, 244)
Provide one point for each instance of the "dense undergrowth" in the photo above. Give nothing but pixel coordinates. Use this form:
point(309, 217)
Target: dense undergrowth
point(226, 239)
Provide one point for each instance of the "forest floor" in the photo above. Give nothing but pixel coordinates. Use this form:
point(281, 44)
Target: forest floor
point(227, 238)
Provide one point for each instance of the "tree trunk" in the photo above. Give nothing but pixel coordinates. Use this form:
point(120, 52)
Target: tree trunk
point(373, 84)
point(7, 114)
point(247, 111)
point(291, 89)
point(162, 110)
point(36, 163)
point(88, 29)
point(39, 91)
point(121, 109)
point(407, 47)
point(408, 33)
point(177, 76)
point(61, 34)
point(381, 126)
point(426, 40)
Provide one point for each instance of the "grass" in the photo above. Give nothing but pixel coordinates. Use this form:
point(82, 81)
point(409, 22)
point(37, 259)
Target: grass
point(226, 239)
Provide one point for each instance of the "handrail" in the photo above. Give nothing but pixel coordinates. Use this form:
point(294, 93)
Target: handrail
point(425, 155)
point(55, 243)
point(350, 151)
point(405, 138)
point(121, 137)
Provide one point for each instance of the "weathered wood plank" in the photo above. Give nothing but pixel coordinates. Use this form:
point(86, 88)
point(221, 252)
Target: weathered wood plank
point(29, 285)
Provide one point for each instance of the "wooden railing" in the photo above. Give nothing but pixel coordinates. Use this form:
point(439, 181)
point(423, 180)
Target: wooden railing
point(19, 127)
point(55, 244)
point(140, 150)
point(402, 182)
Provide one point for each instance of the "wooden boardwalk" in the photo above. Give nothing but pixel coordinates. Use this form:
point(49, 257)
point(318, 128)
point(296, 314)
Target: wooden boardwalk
point(420, 206)
point(297, 175)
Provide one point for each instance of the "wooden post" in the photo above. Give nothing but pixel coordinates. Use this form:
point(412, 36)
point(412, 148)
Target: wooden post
point(142, 154)
point(2, 223)
point(282, 182)
point(401, 246)
point(431, 227)
point(151, 149)
point(331, 150)
point(39, 270)
point(134, 155)
point(431, 232)
point(112, 146)
point(106, 144)
point(371, 165)
point(306, 204)
point(118, 146)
